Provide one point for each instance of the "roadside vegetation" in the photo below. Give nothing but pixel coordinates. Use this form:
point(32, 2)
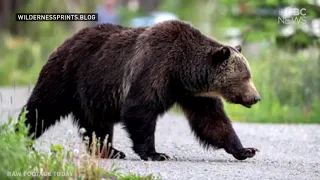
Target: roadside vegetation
point(19, 161)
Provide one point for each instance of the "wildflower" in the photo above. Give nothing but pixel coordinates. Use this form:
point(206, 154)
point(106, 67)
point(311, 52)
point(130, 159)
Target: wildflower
point(76, 151)
point(82, 130)
point(70, 132)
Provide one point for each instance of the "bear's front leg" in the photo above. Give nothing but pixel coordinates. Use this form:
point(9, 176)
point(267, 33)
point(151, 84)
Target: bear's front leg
point(212, 126)
point(139, 119)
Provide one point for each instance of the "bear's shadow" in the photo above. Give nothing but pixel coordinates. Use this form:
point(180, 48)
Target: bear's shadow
point(191, 160)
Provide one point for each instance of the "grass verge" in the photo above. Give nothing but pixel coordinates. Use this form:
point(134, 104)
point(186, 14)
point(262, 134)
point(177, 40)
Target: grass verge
point(18, 161)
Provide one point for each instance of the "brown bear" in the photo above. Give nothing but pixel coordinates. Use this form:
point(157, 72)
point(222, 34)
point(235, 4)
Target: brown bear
point(106, 74)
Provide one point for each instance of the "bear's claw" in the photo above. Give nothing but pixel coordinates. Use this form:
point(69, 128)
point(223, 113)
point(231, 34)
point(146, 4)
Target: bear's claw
point(118, 155)
point(156, 157)
point(245, 153)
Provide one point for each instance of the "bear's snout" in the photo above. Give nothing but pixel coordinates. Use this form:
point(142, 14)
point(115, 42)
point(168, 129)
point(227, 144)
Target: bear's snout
point(254, 101)
point(257, 99)
point(251, 96)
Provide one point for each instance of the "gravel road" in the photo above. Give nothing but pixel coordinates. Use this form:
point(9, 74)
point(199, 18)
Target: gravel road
point(286, 151)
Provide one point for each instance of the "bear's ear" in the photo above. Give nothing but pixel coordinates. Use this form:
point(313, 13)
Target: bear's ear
point(238, 48)
point(221, 54)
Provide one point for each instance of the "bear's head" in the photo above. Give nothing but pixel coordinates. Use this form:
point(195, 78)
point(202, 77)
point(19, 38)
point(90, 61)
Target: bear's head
point(220, 71)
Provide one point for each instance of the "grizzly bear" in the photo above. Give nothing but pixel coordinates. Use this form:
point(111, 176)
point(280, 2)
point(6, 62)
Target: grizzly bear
point(107, 74)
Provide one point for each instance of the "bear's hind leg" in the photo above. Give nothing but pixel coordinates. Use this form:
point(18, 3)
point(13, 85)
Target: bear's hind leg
point(106, 147)
point(211, 125)
point(101, 131)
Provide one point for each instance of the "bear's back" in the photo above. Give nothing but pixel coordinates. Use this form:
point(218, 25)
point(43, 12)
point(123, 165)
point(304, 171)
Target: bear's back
point(92, 63)
point(102, 61)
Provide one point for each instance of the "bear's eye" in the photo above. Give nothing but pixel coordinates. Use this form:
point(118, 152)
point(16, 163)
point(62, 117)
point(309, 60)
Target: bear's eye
point(246, 77)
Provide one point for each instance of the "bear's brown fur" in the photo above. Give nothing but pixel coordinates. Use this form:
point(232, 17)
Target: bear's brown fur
point(107, 74)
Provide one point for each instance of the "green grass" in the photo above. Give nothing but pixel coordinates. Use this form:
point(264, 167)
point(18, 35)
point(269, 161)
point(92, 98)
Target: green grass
point(20, 162)
point(22, 59)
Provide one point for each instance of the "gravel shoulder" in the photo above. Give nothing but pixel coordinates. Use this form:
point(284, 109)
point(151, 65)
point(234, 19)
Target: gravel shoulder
point(286, 151)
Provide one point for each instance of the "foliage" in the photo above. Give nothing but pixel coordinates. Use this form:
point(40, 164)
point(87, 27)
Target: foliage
point(23, 58)
point(18, 161)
